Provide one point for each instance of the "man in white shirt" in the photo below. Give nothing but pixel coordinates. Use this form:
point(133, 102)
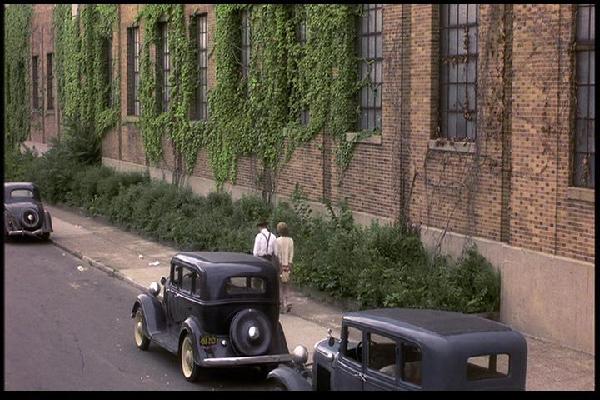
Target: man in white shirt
point(264, 243)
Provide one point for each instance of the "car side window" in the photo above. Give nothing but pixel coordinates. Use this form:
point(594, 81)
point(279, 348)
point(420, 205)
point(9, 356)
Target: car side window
point(382, 354)
point(187, 280)
point(176, 276)
point(353, 343)
point(411, 363)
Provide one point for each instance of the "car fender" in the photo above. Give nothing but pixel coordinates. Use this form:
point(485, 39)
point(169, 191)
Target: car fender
point(47, 227)
point(192, 327)
point(290, 378)
point(153, 313)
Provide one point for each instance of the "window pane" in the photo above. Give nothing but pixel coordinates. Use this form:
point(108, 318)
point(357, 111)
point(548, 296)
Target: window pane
point(451, 125)
point(488, 366)
point(461, 97)
point(582, 67)
point(411, 363)
point(583, 23)
point(382, 355)
point(187, 279)
point(354, 337)
point(378, 72)
point(473, 40)
point(378, 47)
point(462, 14)
point(371, 53)
point(462, 72)
point(453, 42)
point(592, 67)
point(582, 101)
point(462, 37)
point(581, 136)
point(593, 23)
point(591, 136)
point(471, 99)
point(471, 132)
point(379, 20)
point(592, 102)
point(453, 14)
point(453, 76)
point(452, 98)
point(471, 71)
point(472, 13)
point(364, 49)
point(461, 129)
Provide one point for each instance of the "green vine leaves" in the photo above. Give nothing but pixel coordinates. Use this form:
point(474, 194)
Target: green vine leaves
point(257, 114)
point(81, 71)
point(17, 81)
point(254, 115)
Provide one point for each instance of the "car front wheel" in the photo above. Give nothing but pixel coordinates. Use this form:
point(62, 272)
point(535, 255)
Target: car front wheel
point(189, 368)
point(141, 341)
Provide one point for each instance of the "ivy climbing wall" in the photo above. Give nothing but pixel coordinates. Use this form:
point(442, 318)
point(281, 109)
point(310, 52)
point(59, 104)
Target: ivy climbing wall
point(511, 185)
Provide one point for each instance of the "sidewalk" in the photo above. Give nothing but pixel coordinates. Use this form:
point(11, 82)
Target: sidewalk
point(138, 261)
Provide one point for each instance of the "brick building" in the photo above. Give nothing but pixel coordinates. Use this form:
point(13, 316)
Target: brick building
point(488, 139)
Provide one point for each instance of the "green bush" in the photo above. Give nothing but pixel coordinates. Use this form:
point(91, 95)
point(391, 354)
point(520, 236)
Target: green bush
point(378, 265)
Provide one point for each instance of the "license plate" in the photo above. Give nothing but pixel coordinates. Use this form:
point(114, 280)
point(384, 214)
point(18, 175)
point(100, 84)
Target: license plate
point(208, 340)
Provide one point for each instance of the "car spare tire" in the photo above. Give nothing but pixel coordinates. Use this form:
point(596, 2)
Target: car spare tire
point(250, 332)
point(31, 219)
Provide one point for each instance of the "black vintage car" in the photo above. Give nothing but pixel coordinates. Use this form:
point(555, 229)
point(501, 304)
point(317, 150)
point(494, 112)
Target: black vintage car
point(218, 309)
point(408, 349)
point(24, 213)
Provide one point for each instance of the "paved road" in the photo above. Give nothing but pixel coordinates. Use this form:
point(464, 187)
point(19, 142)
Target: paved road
point(67, 329)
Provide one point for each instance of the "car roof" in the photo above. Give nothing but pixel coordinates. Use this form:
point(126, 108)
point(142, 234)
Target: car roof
point(218, 259)
point(19, 185)
point(436, 322)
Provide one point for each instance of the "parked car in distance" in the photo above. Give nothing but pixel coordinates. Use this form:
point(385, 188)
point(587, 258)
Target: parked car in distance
point(410, 349)
point(218, 309)
point(24, 213)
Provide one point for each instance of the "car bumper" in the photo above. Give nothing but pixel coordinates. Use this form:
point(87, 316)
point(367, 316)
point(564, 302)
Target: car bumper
point(235, 361)
point(23, 232)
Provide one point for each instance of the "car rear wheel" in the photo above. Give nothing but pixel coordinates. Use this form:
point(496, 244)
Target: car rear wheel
point(189, 368)
point(141, 341)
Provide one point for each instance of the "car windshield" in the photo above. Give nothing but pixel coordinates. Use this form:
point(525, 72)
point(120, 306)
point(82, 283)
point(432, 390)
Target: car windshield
point(21, 194)
point(245, 285)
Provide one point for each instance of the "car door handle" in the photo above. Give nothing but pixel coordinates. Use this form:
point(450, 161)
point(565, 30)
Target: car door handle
point(361, 376)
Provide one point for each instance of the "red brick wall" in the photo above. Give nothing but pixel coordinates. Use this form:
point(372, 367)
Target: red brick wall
point(524, 109)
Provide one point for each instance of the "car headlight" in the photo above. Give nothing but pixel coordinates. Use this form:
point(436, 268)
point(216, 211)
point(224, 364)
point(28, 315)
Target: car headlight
point(300, 355)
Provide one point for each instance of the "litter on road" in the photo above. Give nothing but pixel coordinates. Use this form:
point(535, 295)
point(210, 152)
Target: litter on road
point(154, 264)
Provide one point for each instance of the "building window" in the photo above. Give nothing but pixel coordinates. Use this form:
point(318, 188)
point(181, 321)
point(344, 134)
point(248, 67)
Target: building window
point(245, 43)
point(585, 61)
point(304, 117)
point(371, 66)
point(163, 70)
point(199, 31)
point(34, 83)
point(458, 71)
point(107, 49)
point(49, 77)
point(133, 71)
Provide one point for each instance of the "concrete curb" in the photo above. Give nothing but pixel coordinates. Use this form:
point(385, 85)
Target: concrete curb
point(110, 271)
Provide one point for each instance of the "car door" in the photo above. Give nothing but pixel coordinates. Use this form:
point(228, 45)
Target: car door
point(381, 362)
point(175, 303)
point(181, 299)
point(348, 369)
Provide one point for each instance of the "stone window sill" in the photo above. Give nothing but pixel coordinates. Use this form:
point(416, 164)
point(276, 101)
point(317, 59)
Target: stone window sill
point(373, 139)
point(456, 147)
point(580, 194)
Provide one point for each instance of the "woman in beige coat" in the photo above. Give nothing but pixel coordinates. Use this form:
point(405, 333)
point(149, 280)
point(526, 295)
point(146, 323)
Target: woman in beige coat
point(284, 251)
